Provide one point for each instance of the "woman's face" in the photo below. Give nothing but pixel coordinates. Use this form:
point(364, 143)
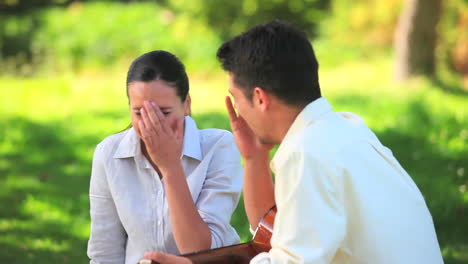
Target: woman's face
point(164, 95)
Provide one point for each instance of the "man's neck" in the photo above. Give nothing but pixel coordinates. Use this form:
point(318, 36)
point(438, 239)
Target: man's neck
point(284, 118)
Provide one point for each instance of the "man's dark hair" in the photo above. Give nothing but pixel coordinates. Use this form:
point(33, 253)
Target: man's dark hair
point(276, 57)
point(160, 65)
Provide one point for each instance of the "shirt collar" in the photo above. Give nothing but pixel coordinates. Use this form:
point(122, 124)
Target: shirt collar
point(129, 146)
point(311, 113)
point(192, 147)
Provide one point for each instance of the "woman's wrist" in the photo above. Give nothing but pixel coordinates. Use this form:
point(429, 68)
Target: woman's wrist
point(172, 172)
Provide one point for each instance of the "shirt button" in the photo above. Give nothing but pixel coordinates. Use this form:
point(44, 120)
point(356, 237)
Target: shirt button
point(159, 222)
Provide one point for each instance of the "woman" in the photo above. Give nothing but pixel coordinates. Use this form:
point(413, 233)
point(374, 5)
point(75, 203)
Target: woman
point(162, 185)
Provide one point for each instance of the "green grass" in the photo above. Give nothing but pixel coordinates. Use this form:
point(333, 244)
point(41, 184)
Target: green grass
point(51, 126)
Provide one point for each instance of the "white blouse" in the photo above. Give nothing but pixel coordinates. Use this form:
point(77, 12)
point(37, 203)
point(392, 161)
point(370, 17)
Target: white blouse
point(129, 211)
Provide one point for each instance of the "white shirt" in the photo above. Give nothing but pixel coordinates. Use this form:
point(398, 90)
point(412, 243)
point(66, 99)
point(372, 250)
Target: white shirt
point(343, 198)
point(129, 211)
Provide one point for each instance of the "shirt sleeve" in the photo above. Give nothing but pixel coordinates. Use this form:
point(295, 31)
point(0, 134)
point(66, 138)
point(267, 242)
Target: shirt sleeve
point(108, 238)
point(221, 191)
point(310, 223)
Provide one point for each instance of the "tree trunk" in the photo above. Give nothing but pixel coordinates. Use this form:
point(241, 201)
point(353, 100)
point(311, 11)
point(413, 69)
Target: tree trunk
point(415, 38)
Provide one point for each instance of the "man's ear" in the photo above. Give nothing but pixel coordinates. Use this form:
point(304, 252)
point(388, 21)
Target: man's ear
point(188, 106)
point(261, 98)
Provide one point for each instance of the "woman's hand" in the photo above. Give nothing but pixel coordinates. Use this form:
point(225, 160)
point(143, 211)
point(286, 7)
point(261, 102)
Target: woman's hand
point(164, 145)
point(248, 143)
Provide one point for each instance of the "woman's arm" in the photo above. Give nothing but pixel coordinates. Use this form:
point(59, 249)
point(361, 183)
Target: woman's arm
point(108, 238)
point(221, 190)
point(191, 233)
point(164, 146)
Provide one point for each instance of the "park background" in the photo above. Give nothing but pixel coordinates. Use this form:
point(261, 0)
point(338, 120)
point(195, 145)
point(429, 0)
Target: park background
point(401, 65)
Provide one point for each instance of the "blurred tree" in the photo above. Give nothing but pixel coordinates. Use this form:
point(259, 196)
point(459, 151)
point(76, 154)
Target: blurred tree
point(232, 17)
point(459, 50)
point(24, 6)
point(21, 6)
point(415, 39)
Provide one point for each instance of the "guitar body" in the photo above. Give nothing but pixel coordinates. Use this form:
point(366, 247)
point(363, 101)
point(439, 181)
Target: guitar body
point(240, 253)
point(235, 254)
point(261, 240)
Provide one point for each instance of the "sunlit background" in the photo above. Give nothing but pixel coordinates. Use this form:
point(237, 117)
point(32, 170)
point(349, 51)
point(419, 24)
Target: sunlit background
point(63, 66)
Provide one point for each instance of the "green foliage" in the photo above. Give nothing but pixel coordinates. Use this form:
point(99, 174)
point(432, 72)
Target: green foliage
point(229, 18)
point(101, 34)
point(362, 22)
point(452, 49)
point(367, 28)
point(95, 33)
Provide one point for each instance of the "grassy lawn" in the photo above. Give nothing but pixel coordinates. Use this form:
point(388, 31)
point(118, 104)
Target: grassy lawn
point(49, 128)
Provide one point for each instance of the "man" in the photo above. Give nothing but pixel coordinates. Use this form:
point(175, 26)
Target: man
point(341, 195)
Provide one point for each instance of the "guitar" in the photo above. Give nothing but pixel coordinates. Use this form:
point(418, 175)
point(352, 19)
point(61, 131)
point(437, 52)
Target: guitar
point(240, 253)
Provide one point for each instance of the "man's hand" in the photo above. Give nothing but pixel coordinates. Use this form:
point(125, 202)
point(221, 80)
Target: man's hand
point(258, 185)
point(163, 258)
point(247, 142)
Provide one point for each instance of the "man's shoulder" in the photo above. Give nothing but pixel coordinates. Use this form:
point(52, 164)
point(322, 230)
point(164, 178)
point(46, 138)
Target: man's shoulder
point(327, 136)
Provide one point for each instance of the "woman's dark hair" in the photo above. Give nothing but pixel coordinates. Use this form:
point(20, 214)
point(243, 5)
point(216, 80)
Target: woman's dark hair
point(276, 57)
point(160, 65)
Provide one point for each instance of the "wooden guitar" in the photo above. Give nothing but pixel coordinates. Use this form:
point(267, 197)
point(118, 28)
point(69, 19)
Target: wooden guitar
point(240, 253)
